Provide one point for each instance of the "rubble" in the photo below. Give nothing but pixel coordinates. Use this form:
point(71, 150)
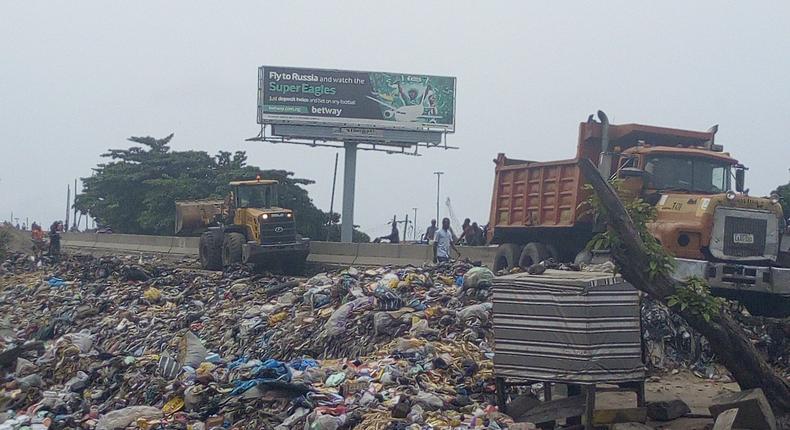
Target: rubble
point(754, 412)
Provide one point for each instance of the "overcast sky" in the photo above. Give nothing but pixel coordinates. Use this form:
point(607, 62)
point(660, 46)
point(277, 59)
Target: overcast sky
point(77, 78)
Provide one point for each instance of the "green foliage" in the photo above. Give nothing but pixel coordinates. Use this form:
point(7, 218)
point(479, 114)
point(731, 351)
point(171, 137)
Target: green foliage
point(695, 295)
point(641, 213)
point(136, 191)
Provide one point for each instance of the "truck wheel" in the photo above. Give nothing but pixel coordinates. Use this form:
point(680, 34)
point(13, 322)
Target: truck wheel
point(506, 256)
point(210, 251)
point(533, 253)
point(231, 249)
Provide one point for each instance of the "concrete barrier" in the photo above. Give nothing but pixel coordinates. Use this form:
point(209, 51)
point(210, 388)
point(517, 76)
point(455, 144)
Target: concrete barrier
point(363, 254)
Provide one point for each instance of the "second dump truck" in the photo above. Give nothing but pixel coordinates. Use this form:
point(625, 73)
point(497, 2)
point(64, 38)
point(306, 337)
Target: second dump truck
point(247, 227)
point(705, 217)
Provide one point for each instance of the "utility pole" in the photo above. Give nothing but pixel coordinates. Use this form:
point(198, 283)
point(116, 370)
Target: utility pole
point(438, 191)
point(332, 199)
point(76, 223)
point(415, 224)
point(349, 182)
point(68, 205)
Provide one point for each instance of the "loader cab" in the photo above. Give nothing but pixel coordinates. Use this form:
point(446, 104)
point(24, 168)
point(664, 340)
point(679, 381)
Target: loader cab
point(258, 194)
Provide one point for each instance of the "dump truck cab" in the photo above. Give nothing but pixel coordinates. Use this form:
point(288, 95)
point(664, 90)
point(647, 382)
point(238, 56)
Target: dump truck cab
point(702, 212)
point(252, 228)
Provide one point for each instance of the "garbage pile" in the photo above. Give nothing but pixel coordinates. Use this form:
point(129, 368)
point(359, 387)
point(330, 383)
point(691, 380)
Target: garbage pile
point(671, 344)
point(112, 343)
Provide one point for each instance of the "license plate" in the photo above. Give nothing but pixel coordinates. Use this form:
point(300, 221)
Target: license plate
point(744, 238)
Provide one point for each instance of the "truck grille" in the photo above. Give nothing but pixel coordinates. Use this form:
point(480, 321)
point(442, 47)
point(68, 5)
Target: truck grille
point(744, 237)
point(277, 232)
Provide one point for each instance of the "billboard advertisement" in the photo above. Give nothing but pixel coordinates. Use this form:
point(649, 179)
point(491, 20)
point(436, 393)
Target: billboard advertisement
point(352, 98)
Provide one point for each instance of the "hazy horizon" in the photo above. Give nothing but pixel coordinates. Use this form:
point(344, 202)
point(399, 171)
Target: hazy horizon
point(78, 78)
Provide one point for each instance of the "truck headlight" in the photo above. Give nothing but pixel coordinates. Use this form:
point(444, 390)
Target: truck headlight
point(730, 195)
point(265, 216)
point(289, 215)
point(774, 198)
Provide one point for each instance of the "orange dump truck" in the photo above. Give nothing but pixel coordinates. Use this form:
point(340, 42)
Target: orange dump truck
point(705, 216)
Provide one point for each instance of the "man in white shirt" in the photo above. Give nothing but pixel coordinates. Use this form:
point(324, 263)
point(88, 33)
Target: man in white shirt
point(443, 240)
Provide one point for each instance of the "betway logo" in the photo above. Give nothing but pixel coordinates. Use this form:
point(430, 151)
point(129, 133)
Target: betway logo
point(326, 111)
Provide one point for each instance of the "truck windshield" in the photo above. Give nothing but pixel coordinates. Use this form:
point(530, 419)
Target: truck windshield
point(696, 174)
point(257, 196)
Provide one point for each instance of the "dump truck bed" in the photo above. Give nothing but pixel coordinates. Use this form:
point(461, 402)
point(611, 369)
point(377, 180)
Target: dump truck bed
point(536, 194)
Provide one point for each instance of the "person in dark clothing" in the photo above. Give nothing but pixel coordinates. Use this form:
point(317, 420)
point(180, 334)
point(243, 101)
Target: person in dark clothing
point(54, 238)
point(431, 231)
point(393, 237)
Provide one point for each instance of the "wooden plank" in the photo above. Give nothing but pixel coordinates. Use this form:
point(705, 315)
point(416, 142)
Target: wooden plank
point(554, 410)
point(624, 415)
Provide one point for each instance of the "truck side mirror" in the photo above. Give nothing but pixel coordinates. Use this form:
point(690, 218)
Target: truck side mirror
point(740, 179)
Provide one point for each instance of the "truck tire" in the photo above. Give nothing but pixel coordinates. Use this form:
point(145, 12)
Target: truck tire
point(506, 256)
point(210, 251)
point(533, 253)
point(231, 249)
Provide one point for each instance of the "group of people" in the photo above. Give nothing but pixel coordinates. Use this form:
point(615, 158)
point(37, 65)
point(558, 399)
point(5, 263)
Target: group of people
point(444, 238)
point(40, 245)
point(472, 234)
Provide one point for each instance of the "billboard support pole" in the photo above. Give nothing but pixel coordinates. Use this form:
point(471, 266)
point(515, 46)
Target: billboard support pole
point(349, 180)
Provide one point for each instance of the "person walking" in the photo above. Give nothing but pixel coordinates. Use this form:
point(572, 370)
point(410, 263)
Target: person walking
point(443, 240)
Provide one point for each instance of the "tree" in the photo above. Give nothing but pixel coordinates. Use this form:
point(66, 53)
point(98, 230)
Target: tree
point(646, 267)
point(136, 191)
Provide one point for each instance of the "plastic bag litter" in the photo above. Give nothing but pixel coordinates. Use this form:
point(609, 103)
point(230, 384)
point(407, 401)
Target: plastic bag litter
point(478, 277)
point(428, 401)
point(336, 324)
point(324, 422)
point(335, 379)
point(152, 294)
point(191, 351)
point(389, 323)
point(480, 311)
point(121, 418)
point(82, 340)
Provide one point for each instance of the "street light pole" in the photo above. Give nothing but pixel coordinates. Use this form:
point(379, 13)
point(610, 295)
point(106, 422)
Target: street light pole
point(415, 224)
point(438, 190)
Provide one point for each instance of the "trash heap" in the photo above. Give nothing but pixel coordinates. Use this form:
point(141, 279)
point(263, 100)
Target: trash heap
point(112, 343)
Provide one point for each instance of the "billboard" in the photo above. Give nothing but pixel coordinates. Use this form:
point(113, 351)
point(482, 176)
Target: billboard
point(291, 95)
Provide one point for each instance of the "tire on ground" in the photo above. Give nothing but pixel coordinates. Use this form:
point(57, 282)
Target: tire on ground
point(506, 256)
point(231, 249)
point(210, 251)
point(533, 253)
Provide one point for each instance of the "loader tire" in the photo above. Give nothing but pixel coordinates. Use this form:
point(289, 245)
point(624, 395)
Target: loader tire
point(533, 253)
point(231, 249)
point(210, 251)
point(506, 257)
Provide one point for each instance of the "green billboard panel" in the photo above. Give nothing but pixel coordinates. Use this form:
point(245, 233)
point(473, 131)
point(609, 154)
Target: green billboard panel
point(291, 95)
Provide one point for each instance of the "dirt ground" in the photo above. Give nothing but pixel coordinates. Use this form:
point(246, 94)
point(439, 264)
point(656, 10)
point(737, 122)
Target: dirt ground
point(19, 240)
point(684, 385)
